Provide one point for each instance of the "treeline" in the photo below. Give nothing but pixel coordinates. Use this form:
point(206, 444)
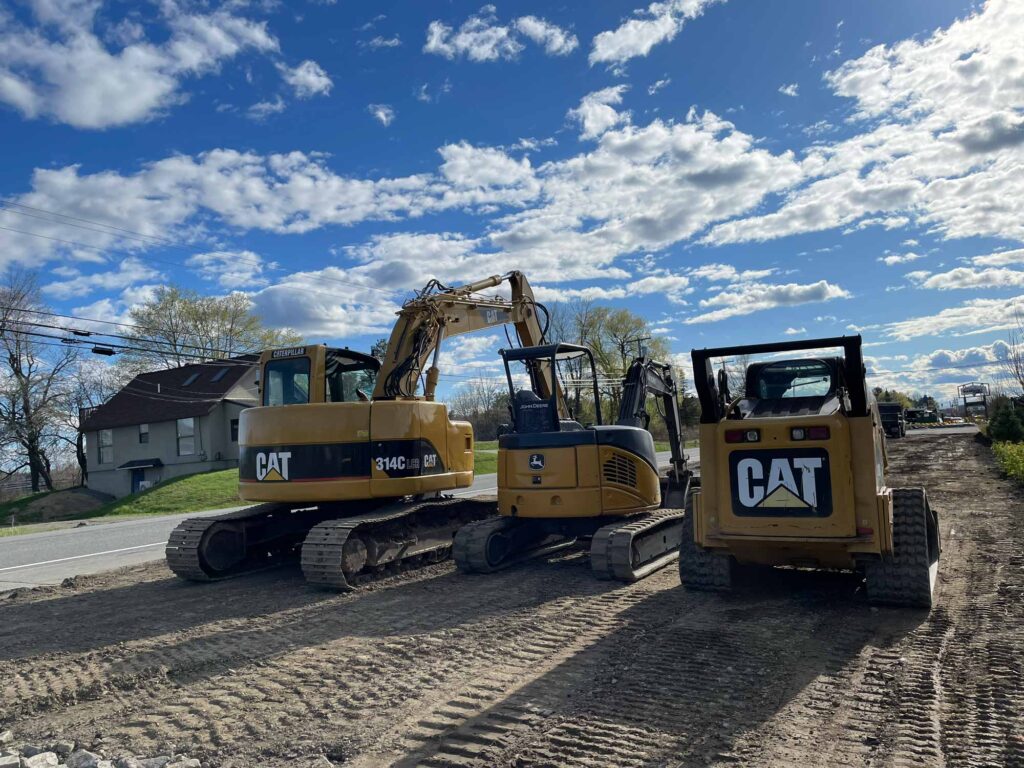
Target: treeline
point(46, 383)
point(615, 336)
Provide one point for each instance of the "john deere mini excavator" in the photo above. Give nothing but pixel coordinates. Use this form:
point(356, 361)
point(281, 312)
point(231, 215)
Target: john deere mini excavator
point(559, 481)
point(793, 473)
point(357, 480)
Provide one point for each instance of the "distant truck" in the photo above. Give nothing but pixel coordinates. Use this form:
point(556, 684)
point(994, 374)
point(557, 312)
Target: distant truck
point(894, 419)
point(923, 416)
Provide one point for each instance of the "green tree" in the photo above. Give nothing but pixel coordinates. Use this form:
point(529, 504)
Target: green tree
point(178, 326)
point(893, 396)
point(1006, 425)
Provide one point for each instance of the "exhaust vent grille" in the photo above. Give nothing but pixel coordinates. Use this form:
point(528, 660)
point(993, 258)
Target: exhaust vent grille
point(620, 470)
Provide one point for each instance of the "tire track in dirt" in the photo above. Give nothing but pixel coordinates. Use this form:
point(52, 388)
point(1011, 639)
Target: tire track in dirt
point(542, 665)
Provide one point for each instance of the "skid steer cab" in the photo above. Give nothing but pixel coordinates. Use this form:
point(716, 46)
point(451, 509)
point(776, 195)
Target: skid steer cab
point(793, 473)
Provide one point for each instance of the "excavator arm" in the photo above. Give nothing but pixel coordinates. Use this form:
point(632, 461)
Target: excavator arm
point(440, 312)
point(649, 377)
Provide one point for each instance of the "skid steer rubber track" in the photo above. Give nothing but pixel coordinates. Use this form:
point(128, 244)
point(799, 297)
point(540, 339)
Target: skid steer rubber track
point(491, 545)
point(632, 549)
point(907, 577)
point(700, 569)
point(342, 554)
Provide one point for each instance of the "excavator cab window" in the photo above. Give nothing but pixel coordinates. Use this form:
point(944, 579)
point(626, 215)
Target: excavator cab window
point(349, 379)
point(286, 382)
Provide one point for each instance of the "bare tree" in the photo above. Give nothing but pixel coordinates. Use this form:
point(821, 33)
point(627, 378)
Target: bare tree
point(1013, 363)
point(178, 327)
point(90, 384)
point(32, 390)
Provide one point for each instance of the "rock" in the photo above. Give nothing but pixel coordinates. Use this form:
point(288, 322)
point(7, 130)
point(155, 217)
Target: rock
point(41, 760)
point(184, 762)
point(10, 761)
point(27, 750)
point(127, 762)
point(155, 762)
point(105, 764)
point(83, 759)
point(6, 737)
point(62, 748)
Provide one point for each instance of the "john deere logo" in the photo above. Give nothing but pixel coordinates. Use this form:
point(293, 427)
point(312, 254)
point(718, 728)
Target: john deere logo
point(272, 466)
point(536, 461)
point(781, 483)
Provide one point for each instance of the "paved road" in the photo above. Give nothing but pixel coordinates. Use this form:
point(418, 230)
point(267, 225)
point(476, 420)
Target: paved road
point(36, 559)
point(955, 429)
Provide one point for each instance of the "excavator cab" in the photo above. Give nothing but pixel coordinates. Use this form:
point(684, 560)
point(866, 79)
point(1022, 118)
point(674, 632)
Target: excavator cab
point(550, 465)
point(560, 480)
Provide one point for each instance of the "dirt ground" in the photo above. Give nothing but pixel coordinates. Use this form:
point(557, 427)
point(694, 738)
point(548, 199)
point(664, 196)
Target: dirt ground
point(541, 665)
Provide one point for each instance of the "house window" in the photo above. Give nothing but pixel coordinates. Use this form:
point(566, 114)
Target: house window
point(186, 437)
point(234, 430)
point(143, 433)
point(106, 443)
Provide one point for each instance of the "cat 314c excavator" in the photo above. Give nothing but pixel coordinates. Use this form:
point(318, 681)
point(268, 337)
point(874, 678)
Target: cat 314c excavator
point(357, 480)
point(559, 481)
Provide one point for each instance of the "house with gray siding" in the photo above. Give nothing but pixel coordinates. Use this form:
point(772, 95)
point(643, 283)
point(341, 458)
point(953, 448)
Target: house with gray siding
point(169, 423)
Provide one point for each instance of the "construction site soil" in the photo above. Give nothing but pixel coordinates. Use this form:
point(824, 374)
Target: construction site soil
point(541, 665)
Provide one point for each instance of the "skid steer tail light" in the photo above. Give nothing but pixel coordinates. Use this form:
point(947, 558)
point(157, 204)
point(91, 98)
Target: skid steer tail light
point(817, 433)
point(865, 531)
point(742, 435)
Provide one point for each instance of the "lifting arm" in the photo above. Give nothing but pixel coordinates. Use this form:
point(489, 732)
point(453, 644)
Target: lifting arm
point(649, 377)
point(438, 312)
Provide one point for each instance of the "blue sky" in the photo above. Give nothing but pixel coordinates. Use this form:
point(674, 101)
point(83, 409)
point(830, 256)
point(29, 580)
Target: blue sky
point(732, 170)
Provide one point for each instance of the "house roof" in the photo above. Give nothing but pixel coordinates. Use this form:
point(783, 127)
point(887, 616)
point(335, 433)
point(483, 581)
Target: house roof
point(175, 393)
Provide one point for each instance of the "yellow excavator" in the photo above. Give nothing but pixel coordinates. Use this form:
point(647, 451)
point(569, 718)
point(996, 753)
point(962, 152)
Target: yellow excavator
point(349, 462)
point(560, 481)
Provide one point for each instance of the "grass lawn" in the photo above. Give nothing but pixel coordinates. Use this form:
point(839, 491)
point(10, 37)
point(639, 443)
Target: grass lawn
point(192, 493)
point(9, 508)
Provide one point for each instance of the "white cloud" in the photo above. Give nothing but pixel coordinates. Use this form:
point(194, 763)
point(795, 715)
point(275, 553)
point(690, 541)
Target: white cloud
point(379, 42)
point(382, 113)
point(971, 317)
point(900, 258)
point(657, 85)
point(482, 38)
point(941, 142)
point(261, 110)
point(792, 89)
point(967, 277)
point(308, 79)
point(717, 273)
point(58, 67)
point(230, 269)
point(129, 272)
point(795, 331)
point(1000, 259)
point(595, 114)
point(658, 23)
point(556, 41)
point(746, 298)
point(637, 190)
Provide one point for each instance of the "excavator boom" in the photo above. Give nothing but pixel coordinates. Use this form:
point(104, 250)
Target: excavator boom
point(439, 312)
